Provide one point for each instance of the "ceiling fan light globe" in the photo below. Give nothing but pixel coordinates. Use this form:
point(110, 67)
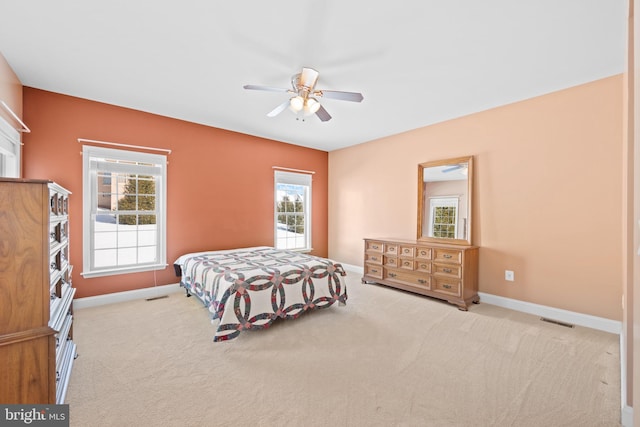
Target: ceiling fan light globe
point(296, 103)
point(311, 106)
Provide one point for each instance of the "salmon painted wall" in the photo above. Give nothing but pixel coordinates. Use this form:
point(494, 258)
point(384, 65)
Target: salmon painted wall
point(219, 183)
point(547, 201)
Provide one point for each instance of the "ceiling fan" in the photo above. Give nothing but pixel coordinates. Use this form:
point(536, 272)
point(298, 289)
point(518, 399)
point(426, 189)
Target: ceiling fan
point(304, 99)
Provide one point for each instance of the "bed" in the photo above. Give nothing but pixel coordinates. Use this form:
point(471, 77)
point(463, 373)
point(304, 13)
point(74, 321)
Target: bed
point(250, 288)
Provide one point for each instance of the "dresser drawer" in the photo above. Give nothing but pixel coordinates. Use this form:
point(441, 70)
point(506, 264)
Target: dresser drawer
point(423, 266)
point(407, 251)
point(446, 285)
point(453, 270)
point(413, 279)
point(373, 271)
point(373, 246)
point(407, 264)
point(423, 253)
point(447, 255)
point(390, 249)
point(373, 258)
point(390, 261)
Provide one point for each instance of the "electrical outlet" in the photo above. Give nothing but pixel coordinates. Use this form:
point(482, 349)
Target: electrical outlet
point(509, 275)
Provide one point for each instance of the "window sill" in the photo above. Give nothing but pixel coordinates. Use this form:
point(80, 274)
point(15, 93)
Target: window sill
point(301, 250)
point(115, 271)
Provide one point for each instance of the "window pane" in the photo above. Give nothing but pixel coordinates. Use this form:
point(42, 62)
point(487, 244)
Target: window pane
point(125, 220)
point(147, 237)
point(127, 256)
point(147, 254)
point(105, 258)
point(105, 239)
point(146, 219)
point(146, 185)
point(103, 218)
point(127, 238)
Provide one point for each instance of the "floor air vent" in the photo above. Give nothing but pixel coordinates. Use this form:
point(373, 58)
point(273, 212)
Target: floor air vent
point(556, 322)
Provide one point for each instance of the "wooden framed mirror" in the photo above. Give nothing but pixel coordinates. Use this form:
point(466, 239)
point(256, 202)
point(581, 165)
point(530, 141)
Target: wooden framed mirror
point(445, 193)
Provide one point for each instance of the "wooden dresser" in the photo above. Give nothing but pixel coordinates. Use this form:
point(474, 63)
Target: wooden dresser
point(36, 335)
point(448, 272)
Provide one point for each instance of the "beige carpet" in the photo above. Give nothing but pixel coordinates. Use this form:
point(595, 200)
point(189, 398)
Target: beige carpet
point(388, 358)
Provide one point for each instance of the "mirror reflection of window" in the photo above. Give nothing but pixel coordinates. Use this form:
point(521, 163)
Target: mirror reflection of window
point(444, 217)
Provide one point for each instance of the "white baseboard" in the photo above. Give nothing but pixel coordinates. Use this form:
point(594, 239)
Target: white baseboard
point(125, 296)
point(626, 416)
point(586, 320)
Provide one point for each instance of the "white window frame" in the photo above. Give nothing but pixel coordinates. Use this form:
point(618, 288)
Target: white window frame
point(439, 202)
point(10, 150)
point(294, 178)
point(89, 199)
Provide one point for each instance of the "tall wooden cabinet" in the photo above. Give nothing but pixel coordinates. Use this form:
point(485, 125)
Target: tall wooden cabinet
point(36, 314)
point(448, 272)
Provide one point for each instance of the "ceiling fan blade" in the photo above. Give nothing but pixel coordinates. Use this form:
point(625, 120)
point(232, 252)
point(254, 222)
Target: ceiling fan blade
point(323, 114)
point(269, 88)
point(451, 168)
point(279, 109)
point(343, 96)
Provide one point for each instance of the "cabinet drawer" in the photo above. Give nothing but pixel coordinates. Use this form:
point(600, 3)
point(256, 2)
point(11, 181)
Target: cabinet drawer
point(446, 285)
point(423, 253)
point(407, 264)
point(408, 251)
point(390, 249)
point(373, 271)
point(447, 255)
point(423, 281)
point(55, 233)
point(373, 246)
point(453, 270)
point(390, 261)
point(373, 258)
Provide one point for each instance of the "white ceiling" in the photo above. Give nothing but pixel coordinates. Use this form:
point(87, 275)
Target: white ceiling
point(417, 62)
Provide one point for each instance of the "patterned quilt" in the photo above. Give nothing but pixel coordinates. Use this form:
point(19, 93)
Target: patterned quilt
point(251, 288)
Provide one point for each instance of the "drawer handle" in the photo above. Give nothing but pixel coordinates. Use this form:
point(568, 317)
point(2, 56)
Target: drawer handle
point(374, 271)
point(422, 281)
point(392, 274)
point(446, 270)
point(423, 253)
point(446, 286)
point(423, 266)
point(373, 258)
point(447, 256)
point(406, 251)
point(374, 246)
point(407, 264)
point(392, 249)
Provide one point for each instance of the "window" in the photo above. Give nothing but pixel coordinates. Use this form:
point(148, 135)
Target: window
point(292, 210)
point(444, 217)
point(124, 205)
